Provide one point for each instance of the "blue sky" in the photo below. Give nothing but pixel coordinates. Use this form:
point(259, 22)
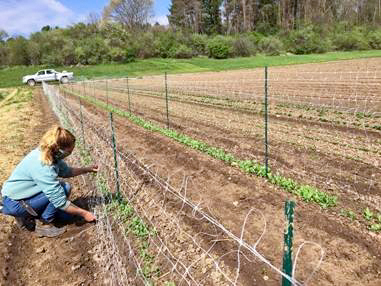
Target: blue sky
point(27, 16)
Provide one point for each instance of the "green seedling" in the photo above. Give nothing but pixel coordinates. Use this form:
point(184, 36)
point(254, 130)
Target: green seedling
point(368, 214)
point(348, 213)
point(375, 227)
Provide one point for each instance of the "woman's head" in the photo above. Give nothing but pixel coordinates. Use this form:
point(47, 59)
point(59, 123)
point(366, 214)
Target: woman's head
point(56, 144)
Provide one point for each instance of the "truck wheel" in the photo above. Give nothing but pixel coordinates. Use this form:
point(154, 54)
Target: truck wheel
point(64, 79)
point(31, 82)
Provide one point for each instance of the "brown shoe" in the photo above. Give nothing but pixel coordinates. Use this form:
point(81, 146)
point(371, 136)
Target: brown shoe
point(44, 229)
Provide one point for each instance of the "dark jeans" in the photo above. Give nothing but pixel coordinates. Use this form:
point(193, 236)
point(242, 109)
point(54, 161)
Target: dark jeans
point(41, 205)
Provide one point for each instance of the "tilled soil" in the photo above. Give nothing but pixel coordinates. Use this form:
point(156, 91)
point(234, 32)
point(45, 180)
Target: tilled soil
point(352, 254)
point(27, 259)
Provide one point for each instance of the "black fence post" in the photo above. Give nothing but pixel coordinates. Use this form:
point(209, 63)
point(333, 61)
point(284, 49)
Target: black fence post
point(166, 98)
point(115, 158)
point(82, 129)
point(128, 94)
point(107, 93)
point(266, 125)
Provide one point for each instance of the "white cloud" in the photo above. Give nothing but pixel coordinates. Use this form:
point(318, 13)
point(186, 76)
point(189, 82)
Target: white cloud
point(162, 20)
point(25, 16)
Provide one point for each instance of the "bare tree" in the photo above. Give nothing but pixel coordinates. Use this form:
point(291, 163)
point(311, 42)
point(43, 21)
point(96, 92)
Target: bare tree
point(3, 35)
point(133, 14)
point(93, 19)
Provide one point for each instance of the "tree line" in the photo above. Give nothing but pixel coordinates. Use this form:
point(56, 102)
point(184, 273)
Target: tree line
point(237, 16)
point(213, 28)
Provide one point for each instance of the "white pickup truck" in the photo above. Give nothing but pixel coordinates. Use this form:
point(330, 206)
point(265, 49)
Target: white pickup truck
point(47, 75)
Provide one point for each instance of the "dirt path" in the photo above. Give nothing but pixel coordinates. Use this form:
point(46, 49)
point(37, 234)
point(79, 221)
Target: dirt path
point(26, 259)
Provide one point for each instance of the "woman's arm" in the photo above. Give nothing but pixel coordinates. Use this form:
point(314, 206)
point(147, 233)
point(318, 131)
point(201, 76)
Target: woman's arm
point(84, 170)
point(74, 210)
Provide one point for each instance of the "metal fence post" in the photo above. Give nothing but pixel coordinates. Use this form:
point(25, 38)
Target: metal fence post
point(115, 158)
point(166, 98)
point(128, 94)
point(288, 237)
point(266, 125)
point(107, 93)
point(82, 129)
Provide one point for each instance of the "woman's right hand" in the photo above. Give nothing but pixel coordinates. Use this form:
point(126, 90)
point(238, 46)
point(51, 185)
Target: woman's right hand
point(89, 217)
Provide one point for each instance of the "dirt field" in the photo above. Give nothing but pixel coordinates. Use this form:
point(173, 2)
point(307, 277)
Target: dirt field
point(339, 158)
point(338, 152)
point(26, 259)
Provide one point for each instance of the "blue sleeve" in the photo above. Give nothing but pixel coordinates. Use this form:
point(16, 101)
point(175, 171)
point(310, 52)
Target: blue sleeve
point(64, 171)
point(46, 179)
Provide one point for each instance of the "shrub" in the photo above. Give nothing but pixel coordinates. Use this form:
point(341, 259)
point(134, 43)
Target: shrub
point(80, 56)
point(131, 53)
point(270, 46)
point(255, 37)
point(199, 44)
point(243, 47)
point(118, 55)
point(219, 47)
point(266, 28)
point(145, 47)
point(353, 40)
point(374, 39)
point(164, 43)
point(306, 41)
point(181, 52)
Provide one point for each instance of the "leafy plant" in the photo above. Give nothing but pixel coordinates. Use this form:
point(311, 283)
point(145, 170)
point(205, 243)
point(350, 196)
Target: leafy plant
point(375, 227)
point(348, 213)
point(368, 214)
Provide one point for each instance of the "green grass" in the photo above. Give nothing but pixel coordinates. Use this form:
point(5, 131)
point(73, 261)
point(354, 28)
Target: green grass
point(12, 76)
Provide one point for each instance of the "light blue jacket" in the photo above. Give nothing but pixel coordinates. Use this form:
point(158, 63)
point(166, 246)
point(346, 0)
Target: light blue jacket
point(31, 177)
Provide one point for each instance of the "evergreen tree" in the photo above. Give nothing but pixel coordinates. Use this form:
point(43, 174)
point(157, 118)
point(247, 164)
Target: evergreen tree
point(211, 16)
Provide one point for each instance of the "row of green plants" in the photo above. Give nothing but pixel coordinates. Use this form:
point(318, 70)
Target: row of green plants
point(124, 213)
point(372, 220)
point(121, 211)
point(305, 192)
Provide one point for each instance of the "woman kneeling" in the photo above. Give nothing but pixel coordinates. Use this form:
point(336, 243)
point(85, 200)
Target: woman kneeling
point(33, 189)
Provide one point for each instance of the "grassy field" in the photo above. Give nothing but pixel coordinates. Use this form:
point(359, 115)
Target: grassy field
point(12, 76)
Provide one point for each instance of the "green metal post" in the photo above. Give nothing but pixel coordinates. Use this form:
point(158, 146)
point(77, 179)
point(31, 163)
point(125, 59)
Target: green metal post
point(107, 92)
point(82, 129)
point(266, 125)
point(166, 98)
point(128, 94)
point(288, 237)
point(115, 158)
